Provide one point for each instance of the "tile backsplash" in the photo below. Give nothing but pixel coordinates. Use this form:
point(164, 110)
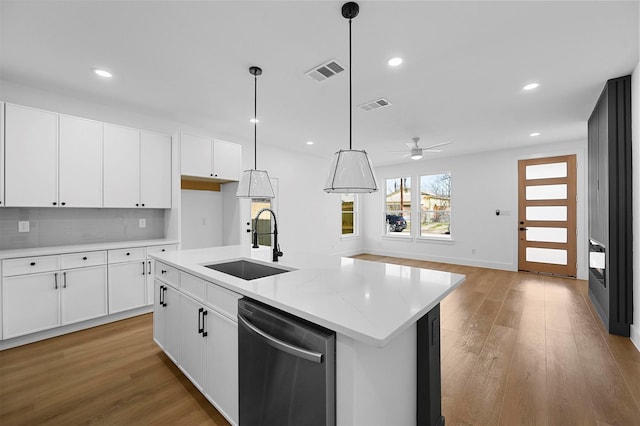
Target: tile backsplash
point(66, 226)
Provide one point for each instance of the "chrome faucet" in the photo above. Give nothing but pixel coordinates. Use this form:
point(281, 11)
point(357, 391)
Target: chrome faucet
point(276, 247)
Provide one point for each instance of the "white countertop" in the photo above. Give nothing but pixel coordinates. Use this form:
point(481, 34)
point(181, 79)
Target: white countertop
point(44, 251)
point(368, 301)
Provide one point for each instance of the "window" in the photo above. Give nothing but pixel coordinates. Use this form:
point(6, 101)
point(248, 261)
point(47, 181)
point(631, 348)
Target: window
point(435, 205)
point(349, 212)
point(398, 206)
point(264, 222)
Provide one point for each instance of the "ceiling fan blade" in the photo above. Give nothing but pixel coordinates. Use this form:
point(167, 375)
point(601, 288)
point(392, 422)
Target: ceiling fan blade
point(436, 145)
point(431, 150)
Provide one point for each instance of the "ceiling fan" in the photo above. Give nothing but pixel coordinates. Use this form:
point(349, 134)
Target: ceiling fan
point(416, 152)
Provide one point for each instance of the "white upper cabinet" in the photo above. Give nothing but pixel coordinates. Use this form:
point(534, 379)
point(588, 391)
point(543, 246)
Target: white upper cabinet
point(227, 160)
point(196, 156)
point(155, 176)
point(121, 166)
point(80, 167)
point(2, 154)
point(205, 157)
point(31, 154)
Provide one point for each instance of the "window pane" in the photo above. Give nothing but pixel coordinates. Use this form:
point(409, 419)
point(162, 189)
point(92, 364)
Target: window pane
point(348, 214)
point(547, 235)
point(264, 223)
point(347, 223)
point(435, 204)
point(547, 192)
point(398, 206)
point(547, 213)
point(555, 256)
point(546, 171)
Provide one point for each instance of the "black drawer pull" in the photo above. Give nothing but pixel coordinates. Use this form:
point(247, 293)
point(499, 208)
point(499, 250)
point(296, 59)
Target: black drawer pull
point(84, 258)
point(163, 271)
point(163, 250)
point(128, 254)
point(33, 264)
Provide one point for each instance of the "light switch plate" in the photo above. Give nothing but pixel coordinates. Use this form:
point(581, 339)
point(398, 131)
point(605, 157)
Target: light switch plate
point(23, 226)
point(142, 223)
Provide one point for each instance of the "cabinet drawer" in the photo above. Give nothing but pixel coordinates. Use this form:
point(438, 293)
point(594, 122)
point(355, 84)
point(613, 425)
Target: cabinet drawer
point(30, 265)
point(161, 249)
point(80, 260)
point(127, 255)
point(192, 285)
point(223, 300)
point(167, 273)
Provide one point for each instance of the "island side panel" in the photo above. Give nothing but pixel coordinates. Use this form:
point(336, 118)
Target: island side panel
point(429, 370)
point(377, 386)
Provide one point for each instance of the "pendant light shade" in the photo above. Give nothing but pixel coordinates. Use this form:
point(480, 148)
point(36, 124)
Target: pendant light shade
point(255, 183)
point(351, 171)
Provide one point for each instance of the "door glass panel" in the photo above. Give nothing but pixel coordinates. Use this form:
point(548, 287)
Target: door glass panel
point(547, 235)
point(546, 171)
point(547, 213)
point(547, 192)
point(554, 256)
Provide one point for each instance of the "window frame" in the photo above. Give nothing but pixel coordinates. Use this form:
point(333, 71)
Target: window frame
point(385, 228)
point(356, 217)
point(436, 237)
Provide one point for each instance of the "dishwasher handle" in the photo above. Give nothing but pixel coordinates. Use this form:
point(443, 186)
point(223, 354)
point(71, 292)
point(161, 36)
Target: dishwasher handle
point(281, 345)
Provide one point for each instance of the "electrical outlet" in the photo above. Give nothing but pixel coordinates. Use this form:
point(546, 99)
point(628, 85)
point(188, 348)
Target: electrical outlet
point(23, 226)
point(142, 223)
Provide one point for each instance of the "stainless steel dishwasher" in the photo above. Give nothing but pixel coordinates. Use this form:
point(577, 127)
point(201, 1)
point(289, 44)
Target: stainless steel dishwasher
point(287, 368)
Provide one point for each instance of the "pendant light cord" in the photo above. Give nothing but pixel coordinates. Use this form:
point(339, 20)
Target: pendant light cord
point(255, 122)
point(350, 94)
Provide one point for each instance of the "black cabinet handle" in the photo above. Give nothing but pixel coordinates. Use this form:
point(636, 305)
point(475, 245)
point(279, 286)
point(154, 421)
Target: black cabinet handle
point(55, 280)
point(149, 271)
point(33, 264)
point(211, 174)
point(64, 280)
point(142, 204)
point(63, 203)
point(84, 258)
point(137, 204)
point(144, 269)
point(163, 250)
point(128, 254)
point(55, 204)
point(200, 327)
point(163, 271)
point(164, 296)
point(161, 295)
point(204, 333)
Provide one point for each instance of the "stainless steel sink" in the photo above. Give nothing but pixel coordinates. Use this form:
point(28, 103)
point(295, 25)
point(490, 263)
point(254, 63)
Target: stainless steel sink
point(246, 270)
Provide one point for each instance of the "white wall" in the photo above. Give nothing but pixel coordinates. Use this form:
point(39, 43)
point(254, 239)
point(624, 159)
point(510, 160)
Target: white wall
point(481, 183)
point(635, 147)
point(201, 218)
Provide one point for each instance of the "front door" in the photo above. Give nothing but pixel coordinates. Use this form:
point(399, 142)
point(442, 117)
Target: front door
point(547, 215)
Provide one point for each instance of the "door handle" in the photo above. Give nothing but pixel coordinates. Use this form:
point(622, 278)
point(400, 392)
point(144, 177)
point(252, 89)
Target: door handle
point(523, 229)
point(281, 345)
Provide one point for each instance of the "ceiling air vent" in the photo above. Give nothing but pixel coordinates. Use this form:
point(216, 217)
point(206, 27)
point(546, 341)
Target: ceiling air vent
point(324, 71)
point(377, 104)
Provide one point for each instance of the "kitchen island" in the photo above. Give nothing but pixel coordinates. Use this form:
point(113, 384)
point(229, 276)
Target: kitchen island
point(386, 319)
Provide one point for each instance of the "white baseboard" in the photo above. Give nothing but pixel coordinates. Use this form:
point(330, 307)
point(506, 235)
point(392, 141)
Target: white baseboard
point(66, 329)
point(442, 259)
point(635, 336)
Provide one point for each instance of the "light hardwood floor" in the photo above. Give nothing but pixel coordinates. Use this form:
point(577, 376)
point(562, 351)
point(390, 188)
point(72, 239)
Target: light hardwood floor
point(517, 349)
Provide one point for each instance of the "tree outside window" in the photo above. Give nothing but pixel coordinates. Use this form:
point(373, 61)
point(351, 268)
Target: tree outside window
point(398, 206)
point(435, 204)
point(348, 214)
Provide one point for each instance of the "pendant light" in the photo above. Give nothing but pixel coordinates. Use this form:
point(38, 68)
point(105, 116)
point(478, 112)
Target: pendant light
point(351, 171)
point(255, 183)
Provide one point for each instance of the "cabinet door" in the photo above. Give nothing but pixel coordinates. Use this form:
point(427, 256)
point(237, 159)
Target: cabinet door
point(227, 159)
point(30, 303)
point(155, 180)
point(196, 156)
point(192, 342)
point(84, 294)
point(159, 314)
point(121, 166)
point(80, 162)
point(222, 365)
point(172, 309)
point(2, 203)
point(31, 157)
point(127, 286)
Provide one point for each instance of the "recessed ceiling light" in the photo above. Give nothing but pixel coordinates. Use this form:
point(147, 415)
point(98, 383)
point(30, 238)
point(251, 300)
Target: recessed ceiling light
point(254, 120)
point(534, 134)
point(531, 86)
point(394, 62)
point(309, 142)
point(102, 73)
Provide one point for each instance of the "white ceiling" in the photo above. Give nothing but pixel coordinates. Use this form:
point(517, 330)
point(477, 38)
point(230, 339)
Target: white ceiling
point(464, 66)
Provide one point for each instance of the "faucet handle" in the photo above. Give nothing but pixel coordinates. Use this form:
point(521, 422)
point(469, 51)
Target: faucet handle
point(278, 252)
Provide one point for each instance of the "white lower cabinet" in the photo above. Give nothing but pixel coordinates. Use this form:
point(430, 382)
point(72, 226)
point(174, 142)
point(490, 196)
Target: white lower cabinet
point(207, 336)
point(166, 319)
point(193, 339)
point(30, 303)
point(84, 294)
point(222, 365)
point(127, 286)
